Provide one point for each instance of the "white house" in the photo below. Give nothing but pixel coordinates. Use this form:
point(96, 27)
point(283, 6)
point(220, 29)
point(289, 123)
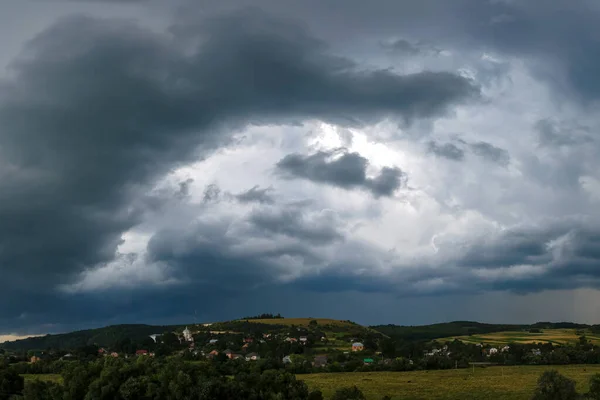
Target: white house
point(493, 350)
point(187, 335)
point(155, 336)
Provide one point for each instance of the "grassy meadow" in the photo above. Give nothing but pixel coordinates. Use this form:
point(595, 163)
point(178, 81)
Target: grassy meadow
point(554, 336)
point(504, 383)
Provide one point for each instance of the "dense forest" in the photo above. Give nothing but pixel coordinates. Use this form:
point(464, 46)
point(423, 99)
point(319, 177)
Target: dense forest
point(102, 337)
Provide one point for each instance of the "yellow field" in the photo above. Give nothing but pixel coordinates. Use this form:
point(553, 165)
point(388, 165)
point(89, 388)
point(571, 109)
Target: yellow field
point(300, 321)
point(555, 336)
point(504, 383)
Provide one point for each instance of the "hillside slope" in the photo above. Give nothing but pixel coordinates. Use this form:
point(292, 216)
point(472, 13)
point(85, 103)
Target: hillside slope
point(106, 336)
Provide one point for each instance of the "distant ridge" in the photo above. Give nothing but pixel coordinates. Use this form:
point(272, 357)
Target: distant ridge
point(100, 336)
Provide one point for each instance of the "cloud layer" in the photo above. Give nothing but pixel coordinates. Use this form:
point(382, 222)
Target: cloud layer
point(239, 154)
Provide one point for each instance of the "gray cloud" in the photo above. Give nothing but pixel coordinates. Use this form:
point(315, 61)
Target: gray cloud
point(551, 133)
point(446, 150)
point(255, 194)
point(82, 145)
point(407, 48)
point(348, 171)
point(491, 152)
point(318, 229)
point(96, 110)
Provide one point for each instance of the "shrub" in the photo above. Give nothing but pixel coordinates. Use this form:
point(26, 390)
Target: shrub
point(594, 392)
point(348, 393)
point(553, 386)
point(315, 395)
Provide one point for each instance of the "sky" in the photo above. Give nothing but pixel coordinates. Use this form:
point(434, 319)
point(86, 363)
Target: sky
point(385, 161)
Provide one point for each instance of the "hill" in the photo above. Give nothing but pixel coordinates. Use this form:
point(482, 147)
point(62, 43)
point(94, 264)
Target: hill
point(554, 336)
point(106, 336)
point(447, 329)
point(473, 330)
point(302, 321)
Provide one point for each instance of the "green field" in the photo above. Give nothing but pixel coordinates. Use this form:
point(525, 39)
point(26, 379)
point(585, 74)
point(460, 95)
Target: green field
point(555, 336)
point(505, 383)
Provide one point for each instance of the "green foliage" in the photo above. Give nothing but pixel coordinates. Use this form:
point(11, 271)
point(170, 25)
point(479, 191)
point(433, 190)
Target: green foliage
point(553, 386)
point(11, 383)
point(265, 316)
point(348, 393)
point(315, 395)
point(42, 390)
point(594, 392)
point(103, 337)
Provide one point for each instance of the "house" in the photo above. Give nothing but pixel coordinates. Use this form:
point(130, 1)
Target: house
point(237, 357)
point(291, 340)
point(433, 352)
point(213, 341)
point(114, 354)
point(303, 339)
point(155, 337)
point(368, 361)
point(252, 357)
point(245, 346)
point(35, 359)
point(536, 352)
point(67, 356)
point(266, 335)
point(287, 360)
point(141, 353)
point(228, 353)
point(101, 352)
point(187, 335)
point(358, 346)
point(320, 361)
point(248, 340)
point(492, 350)
point(505, 349)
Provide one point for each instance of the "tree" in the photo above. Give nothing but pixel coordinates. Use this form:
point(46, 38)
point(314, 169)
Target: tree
point(135, 388)
point(41, 390)
point(348, 393)
point(313, 323)
point(553, 386)
point(11, 383)
point(594, 392)
point(315, 395)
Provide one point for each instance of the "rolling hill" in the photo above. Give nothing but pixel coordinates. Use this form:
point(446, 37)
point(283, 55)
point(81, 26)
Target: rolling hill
point(101, 336)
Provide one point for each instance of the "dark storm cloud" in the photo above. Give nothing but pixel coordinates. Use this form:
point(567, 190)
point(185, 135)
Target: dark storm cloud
point(206, 255)
point(446, 150)
point(407, 48)
point(319, 229)
point(256, 195)
point(557, 40)
point(96, 109)
point(491, 152)
point(348, 171)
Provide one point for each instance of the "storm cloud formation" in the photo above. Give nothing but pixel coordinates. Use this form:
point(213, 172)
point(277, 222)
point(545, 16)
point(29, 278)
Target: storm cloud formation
point(348, 171)
point(202, 151)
